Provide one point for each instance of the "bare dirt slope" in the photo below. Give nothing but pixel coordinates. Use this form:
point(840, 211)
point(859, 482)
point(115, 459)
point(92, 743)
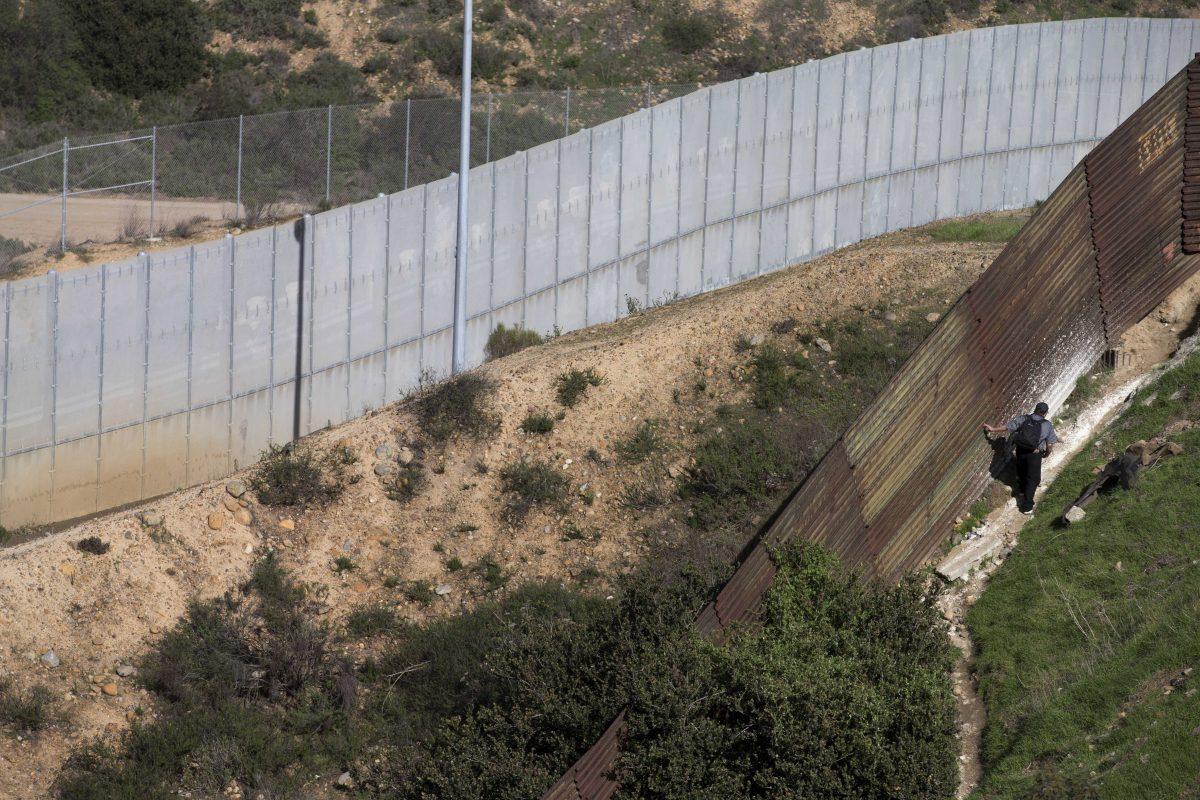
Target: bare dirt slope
point(675, 364)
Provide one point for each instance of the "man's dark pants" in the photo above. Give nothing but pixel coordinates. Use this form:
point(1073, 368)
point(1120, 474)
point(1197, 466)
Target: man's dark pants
point(1029, 475)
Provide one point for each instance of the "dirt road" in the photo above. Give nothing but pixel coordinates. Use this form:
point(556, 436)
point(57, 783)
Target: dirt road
point(97, 218)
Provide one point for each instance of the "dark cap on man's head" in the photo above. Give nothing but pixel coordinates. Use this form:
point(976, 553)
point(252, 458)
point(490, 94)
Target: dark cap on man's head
point(1041, 409)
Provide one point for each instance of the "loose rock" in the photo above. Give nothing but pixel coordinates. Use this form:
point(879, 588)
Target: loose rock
point(345, 780)
point(216, 521)
point(824, 345)
point(109, 689)
point(242, 517)
point(385, 469)
point(151, 519)
point(443, 589)
point(383, 451)
point(287, 524)
point(50, 659)
point(236, 488)
point(933, 317)
point(125, 670)
point(1074, 514)
point(406, 456)
point(231, 504)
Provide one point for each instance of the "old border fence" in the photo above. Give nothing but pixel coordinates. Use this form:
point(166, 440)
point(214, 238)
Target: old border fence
point(1109, 244)
point(127, 380)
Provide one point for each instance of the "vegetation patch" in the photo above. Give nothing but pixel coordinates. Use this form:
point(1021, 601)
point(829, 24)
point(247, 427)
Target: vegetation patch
point(371, 621)
point(297, 475)
point(539, 422)
point(572, 385)
point(1089, 636)
point(645, 442)
point(28, 711)
point(406, 483)
point(457, 408)
point(530, 483)
point(93, 545)
point(504, 341)
point(992, 229)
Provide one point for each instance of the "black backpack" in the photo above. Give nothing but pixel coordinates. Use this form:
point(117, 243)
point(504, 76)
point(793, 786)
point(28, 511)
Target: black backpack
point(1029, 435)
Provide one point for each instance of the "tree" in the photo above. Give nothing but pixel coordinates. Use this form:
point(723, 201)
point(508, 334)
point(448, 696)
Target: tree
point(139, 46)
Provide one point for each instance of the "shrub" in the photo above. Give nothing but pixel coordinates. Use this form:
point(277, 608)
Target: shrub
point(419, 592)
point(738, 468)
point(364, 622)
point(530, 484)
point(139, 46)
point(491, 573)
point(688, 32)
point(344, 564)
point(844, 685)
point(571, 385)
point(538, 423)
point(376, 64)
point(391, 33)
point(504, 341)
point(456, 408)
point(407, 483)
point(188, 227)
point(454, 564)
point(310, 17)
point(94, 545)
point(644, 443)
point(25, 711)
point(641, 497)
point(999, 229)
point(295, 475)
point(11, 251)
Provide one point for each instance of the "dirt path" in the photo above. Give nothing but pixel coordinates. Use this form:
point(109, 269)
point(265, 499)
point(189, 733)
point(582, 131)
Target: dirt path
point(97, 218)
point(978, 558)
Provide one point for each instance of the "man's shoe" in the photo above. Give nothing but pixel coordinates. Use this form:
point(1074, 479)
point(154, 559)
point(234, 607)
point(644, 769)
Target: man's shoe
point(1027, 512)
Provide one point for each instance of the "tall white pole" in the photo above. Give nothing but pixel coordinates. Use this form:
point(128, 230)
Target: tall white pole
point(464, 168)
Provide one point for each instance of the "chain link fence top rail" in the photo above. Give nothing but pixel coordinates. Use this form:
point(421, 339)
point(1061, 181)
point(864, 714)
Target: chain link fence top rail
point(126, 380)
point(1112, 241)
point(120, 187)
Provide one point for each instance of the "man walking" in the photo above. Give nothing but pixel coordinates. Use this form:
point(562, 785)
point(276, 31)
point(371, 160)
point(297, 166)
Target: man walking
point(1031, 436)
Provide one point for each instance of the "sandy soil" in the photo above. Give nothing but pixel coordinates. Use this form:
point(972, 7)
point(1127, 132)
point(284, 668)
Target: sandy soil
point(97, 218)
point(97, 612)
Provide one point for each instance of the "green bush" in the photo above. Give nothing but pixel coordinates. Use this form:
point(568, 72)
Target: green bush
point(842, 691)
point(372, 621)
point(645, 442)
point(736, 469)
point(991, 229)
point(529, 484)
point(539, 422)
point(572, 385)
point(296, 475)
point(688, 31)
point(27, 711)
point(456, 407)
point(504, 341)
point(139, 46)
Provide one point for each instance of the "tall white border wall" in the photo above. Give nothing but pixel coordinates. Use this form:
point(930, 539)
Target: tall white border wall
point(128, 380)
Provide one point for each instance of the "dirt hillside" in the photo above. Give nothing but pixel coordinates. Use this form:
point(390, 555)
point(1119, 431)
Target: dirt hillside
point(675, 364)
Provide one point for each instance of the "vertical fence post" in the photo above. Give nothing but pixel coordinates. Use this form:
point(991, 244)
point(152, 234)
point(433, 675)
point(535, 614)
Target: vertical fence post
point(328, 152)
point(487, 147)
point(54, 285)
point(66, 150)
point(153, 175)
point(145, 260)
point(191, 343)
point(407, 133)
point(237, 211)
point(271, 356)
point(567, 114)
point(387, 289)
point(648, 103)
point(100, 381)
point(4, 409)
point(232, 326)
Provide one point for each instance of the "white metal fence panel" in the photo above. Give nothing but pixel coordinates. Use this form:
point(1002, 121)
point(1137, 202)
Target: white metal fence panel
point(127, 380)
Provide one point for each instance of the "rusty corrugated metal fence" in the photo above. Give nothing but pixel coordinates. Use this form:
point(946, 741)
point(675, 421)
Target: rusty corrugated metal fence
point(1117, 236)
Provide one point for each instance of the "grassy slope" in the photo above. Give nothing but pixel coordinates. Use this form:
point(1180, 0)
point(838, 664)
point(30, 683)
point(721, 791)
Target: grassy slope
point(1076, 652)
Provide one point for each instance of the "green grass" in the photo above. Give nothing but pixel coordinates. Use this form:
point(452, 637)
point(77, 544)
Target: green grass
point(644, 442)
point(528, 484)
point(572, 385)
point(504, 341)
point(992, 229)
point(370, 621)
point(1076, 653)
point(537, 422)
point(25, 712)
point(457, 408)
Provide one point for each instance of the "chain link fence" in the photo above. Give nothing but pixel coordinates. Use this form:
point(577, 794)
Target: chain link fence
point(172, 179)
